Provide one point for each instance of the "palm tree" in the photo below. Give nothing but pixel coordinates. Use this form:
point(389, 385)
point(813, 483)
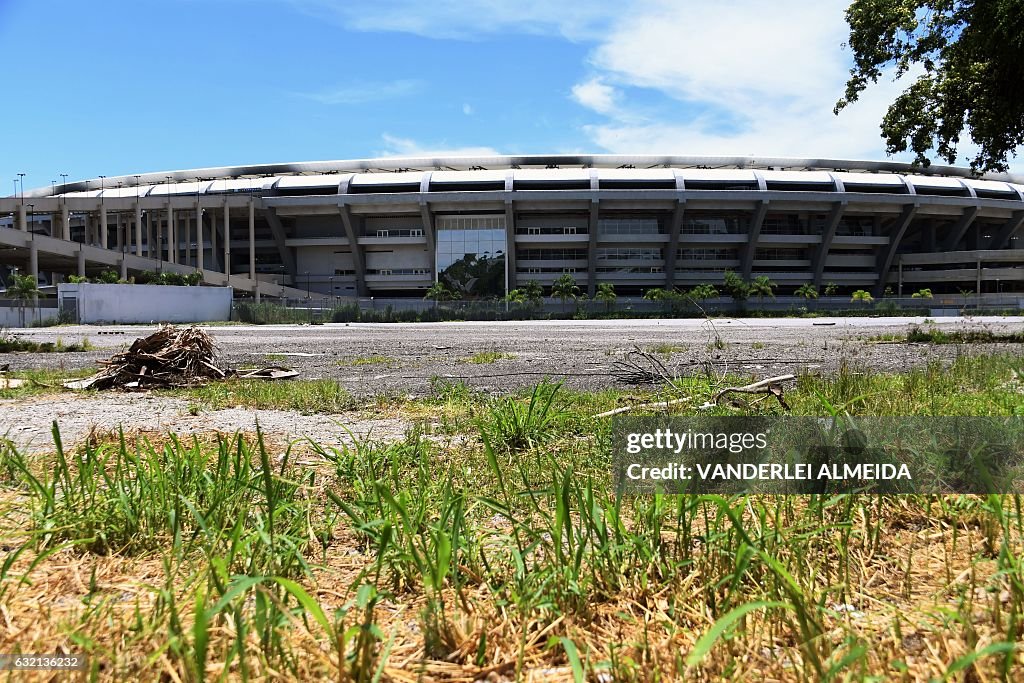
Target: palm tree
point(565, 288)
point(23, 288)
point(516, 296)
point(762, 286)
point(862, 295)
point(736, 287)
point(925, 293)
point(534, 293)
point(831, 289)
point(807, 291)
point(439, 292)
point(606, 293)
point(703, 291)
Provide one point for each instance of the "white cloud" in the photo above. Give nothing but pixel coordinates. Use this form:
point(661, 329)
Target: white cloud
point(361, 93)
point(597, 95)
point(747, 77)
point(406, 147)
point(467, 109)
point(470, 19)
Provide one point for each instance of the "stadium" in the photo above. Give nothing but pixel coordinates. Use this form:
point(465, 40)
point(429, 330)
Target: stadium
point(484, 225)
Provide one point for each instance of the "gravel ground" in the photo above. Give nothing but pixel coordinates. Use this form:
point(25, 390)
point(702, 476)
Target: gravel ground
point(27, 422)
point(579, 351)
point(411, 354)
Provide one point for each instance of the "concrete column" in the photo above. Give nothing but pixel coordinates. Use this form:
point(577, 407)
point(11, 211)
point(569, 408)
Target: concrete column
point(119, 229)
point(22, 220)
point(592, 223)
point(172, 237)
point(227, 239)
point(86, 228)
point(213, 238)
point(199, 236)
point(33, 260)
point(678, 215)
point(81, 262)
point(252, 249)
point(124, 268)
point(103, 226)
point(65, 223)
point(138, 228)
point(510, 247)
point(158, 233)
point(252, 240)
point(54, 222)
point(186, 230)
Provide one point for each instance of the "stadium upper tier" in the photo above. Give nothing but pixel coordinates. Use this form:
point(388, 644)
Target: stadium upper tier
point(445, 174)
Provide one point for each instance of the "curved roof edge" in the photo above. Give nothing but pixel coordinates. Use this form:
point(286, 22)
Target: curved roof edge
point(463, 163)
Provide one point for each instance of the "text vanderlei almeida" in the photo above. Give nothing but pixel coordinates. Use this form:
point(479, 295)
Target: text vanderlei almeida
point(669, 441)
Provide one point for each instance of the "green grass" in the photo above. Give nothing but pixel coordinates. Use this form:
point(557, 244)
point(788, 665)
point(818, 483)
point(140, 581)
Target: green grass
point(359, 361)
point(488, 357)
point(304, 396)
point(936, 335)
point(41, 381)
point(12, 343)
point(508, 549)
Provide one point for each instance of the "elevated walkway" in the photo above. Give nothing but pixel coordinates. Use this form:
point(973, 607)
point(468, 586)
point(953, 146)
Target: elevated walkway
point(34, 253)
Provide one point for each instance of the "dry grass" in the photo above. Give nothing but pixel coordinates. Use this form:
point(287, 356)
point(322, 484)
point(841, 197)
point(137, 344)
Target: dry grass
point(513, 559)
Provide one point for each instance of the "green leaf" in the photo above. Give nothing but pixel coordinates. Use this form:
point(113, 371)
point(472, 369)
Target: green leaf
point(708, 640)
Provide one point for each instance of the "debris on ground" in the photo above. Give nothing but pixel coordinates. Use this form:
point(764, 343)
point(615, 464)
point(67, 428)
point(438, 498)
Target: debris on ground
point(273, 372)
point(766, 387)
point(171, 357)
point(640, 367)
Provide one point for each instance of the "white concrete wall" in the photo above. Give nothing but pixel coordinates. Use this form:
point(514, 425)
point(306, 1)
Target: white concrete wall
point(147, 303)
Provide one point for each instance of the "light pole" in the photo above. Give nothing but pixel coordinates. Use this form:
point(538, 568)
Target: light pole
point(22, 177)
point(64, 186)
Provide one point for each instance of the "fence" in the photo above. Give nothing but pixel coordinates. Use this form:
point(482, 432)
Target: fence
point(16, 313)
point(338, 309)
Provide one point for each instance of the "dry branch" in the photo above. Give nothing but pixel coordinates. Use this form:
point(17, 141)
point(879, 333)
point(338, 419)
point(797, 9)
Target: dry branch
point(170, 357)
point(640, 367)
point(656, 404)
point(770, 387)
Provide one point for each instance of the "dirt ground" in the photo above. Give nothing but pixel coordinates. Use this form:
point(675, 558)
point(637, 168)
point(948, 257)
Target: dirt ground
point(369, 359)
point(374, 359)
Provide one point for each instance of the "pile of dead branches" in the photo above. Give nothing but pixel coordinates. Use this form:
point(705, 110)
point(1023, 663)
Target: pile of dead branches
point(640, 367)
point(170, 357)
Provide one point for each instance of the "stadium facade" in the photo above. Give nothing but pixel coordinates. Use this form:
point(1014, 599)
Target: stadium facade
point(393, 227)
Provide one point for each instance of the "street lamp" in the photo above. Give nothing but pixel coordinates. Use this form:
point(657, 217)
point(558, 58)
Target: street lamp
point(22, 177)
point(64, 186)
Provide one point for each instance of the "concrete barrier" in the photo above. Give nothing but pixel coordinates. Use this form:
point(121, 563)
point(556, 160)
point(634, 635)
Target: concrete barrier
point(99, 303)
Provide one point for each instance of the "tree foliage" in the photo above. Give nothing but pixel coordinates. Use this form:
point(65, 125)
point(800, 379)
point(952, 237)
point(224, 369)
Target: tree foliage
point(606, 293)
point(735, 286)
point(565, 288)
point(970, 54)
point(807, 291)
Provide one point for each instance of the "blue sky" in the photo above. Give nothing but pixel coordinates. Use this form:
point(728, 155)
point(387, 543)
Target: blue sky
point(118, 87)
